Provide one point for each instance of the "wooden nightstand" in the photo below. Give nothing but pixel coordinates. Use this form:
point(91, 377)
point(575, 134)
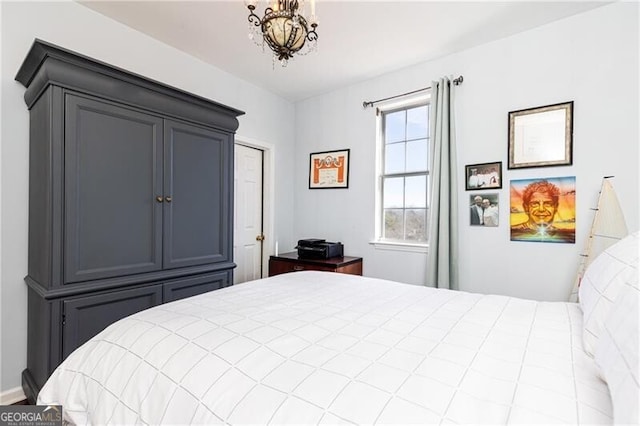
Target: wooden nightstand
point(289, 262)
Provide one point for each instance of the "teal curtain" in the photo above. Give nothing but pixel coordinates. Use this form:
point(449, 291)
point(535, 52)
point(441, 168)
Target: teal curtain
point(442, 258)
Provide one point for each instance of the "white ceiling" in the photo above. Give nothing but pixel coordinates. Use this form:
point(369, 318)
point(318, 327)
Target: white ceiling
point(357, 40)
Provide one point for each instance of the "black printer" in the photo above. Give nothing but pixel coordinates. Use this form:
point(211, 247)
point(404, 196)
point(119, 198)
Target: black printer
point(314, 248)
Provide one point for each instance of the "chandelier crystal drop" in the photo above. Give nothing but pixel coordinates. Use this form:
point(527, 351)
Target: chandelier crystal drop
point(284, 28)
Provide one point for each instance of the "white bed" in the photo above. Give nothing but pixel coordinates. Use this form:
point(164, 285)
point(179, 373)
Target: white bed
point(326, 348)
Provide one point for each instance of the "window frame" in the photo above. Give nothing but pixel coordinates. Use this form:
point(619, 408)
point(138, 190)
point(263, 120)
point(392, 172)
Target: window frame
point(379, 242)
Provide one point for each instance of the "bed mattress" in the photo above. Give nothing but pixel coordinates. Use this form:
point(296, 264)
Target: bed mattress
point(317, 347)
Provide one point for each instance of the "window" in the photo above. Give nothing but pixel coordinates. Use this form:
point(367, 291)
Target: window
point(403, 174)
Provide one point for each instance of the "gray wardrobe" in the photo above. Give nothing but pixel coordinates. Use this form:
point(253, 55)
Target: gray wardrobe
point(130, 199)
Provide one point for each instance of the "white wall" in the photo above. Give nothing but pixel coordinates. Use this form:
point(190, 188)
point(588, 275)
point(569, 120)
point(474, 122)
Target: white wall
point(78, 28)
point(591, 59)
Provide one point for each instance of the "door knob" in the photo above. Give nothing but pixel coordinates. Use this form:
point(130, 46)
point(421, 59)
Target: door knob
point(260, 237)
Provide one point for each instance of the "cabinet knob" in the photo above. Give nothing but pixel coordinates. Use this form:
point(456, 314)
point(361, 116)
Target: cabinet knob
point(159, 199)
point(168, 199)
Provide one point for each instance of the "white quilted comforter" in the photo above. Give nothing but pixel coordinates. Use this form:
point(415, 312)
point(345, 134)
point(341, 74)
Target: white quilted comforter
point(326, 348)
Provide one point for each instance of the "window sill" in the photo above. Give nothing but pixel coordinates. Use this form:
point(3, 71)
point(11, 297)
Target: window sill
point(397, 246)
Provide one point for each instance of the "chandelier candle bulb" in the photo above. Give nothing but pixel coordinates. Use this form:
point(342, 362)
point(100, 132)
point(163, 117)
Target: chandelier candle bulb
point(313, 8)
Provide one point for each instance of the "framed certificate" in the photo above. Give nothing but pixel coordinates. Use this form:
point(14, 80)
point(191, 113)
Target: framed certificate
point(329, 169)
point(541, 137)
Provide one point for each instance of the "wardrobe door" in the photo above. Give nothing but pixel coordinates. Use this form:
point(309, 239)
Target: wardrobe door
point(113, 174)
point(198, 195)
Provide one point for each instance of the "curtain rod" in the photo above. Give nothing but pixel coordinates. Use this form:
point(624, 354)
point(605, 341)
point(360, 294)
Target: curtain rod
point(456, 82)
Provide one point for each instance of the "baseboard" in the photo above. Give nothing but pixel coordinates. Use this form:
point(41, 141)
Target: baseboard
point(12, 396)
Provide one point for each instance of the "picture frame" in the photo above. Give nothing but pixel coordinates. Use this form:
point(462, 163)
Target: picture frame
point(484, 209)
point(541, 136)
point(329, 169)
point(483, 176)
point(543, 209)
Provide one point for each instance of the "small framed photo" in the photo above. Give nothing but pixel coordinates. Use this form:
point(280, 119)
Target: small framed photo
point(483, 176)
point(329, 169)
point(541, 137)
point(484, 209)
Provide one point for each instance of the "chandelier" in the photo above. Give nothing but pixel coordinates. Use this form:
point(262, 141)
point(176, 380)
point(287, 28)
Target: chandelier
point(283, 28)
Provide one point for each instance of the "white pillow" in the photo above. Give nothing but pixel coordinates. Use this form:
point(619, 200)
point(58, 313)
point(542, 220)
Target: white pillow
point(617, 353)
point(601, 284)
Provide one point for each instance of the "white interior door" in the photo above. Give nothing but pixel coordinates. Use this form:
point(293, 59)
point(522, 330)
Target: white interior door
point(248, 232)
